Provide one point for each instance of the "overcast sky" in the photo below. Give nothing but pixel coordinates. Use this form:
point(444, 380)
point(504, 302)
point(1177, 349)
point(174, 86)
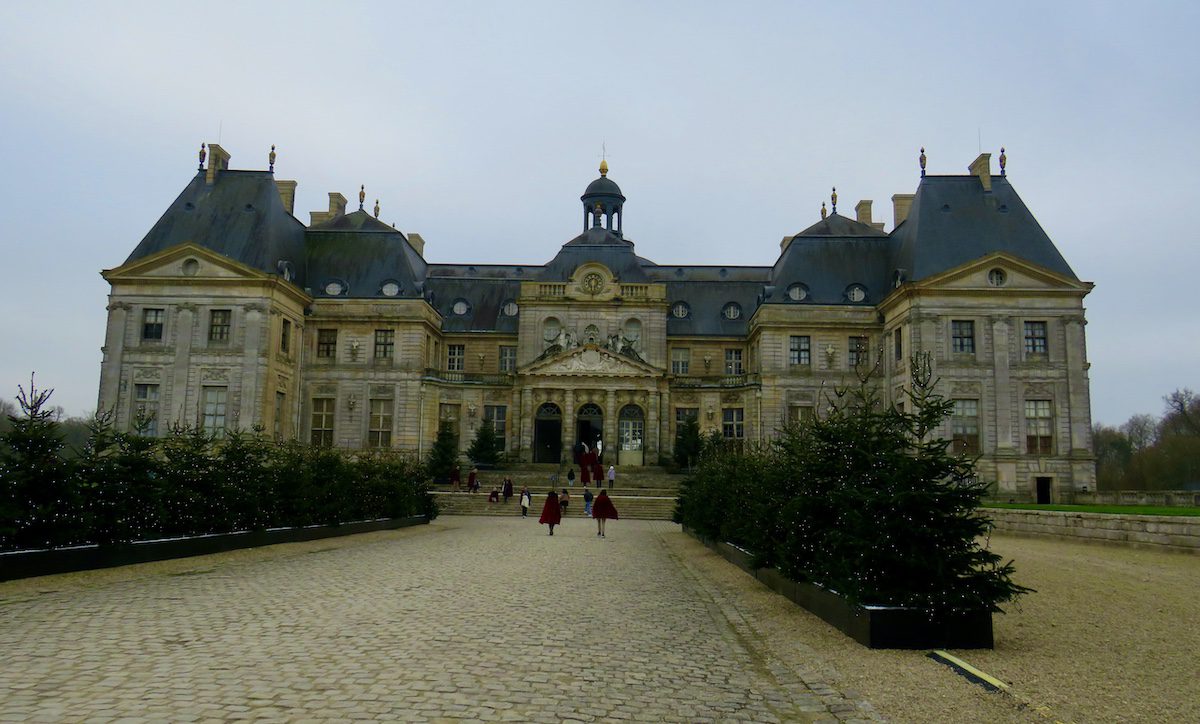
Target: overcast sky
point(478, 125)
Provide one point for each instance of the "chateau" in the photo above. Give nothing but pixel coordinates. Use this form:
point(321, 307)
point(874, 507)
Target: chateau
point(233, 314)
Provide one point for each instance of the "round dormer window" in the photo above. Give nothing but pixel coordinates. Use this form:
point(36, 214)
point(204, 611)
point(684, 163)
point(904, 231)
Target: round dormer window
point(856, 292)
point(390, 289)
point(797, 292)
point(335, 289)
point(680, 310)
point(461, 307)
point(510, 308)
point(997, 277)
point(733, 310)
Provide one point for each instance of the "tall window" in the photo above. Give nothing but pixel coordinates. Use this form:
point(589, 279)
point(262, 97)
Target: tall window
point(456, 357)
point(962, 336)
point(1035, 338)
point(327, 343)
point(385, 343)
point(218, 325)
point(285, 337)
point(800, 350)
point(681, 360)
point(1039, 427)
point(497, 417)
point(733, 423)
point(859, 351)
point(322, 421)
point(899, 341)
point(379, 427)
point(508, 359)
point(800, 413)
point(152, 324)
point(145, 410)
point(212, 399)
point(683, 414)
point(964, 427)
point(733, 362)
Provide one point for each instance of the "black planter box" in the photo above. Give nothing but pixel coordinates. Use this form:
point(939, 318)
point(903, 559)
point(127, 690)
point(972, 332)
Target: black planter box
point(876, 627)
point(26, 564)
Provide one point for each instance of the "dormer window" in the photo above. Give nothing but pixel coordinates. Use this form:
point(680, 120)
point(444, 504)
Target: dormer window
point(731, 311)
point(510, 308)
point(461, 307)
point(797, 292)
point(856, 292)
point(680, 310)
point(390, 289)
point(335, 288)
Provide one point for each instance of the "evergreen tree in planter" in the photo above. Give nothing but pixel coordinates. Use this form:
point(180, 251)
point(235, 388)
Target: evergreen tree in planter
point(485, 448)
point(443, 456)
point(687, 443)
point(39, 502)
point(884, 514)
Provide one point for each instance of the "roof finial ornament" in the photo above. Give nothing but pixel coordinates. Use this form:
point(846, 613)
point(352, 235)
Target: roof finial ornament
point(833, 199)
point(1003, 160)
point(376, 208)
point(824, 213)
point(271, 158)
point(603, 160)
point(203, 155)
point(922, 162)
point(362, 196)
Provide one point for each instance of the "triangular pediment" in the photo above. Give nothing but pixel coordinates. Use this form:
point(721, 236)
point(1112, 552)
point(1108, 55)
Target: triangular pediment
point(176, 262)
point(591, 361)
point(1017, 274)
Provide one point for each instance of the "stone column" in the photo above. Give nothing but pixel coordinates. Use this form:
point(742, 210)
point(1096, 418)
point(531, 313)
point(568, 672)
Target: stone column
point(110, 367)
point(527, 417)
point(651, 443)
point(568, 424)
point(666, 442)
point(179, 399)
point(1002, 415)
point(1077, 385)
point(249, 411)
point(611, 440)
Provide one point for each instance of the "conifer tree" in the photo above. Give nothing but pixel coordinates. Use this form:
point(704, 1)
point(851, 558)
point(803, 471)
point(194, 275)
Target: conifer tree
point(485, 448)
point(443, 456)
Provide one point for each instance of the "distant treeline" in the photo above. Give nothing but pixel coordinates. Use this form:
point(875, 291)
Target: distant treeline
point(1152, 453)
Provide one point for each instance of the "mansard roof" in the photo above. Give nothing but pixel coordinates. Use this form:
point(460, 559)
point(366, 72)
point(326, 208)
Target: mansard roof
point(363, 254)
point(602, 246)
point(953, 220)
point(239, 215)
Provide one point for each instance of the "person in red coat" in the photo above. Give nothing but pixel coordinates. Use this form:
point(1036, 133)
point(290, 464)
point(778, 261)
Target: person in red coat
point(551, 512)
point(602, 510)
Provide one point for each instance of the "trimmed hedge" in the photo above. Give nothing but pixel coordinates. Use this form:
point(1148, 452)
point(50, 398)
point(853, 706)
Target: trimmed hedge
point(123, 487)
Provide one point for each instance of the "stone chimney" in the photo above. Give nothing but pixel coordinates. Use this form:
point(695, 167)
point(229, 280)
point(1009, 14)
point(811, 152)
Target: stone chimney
point(784, 243)
point(982, 167)
point(862, 211)
point(218, 160)
point(287, 194)
point(901, 203)
point(417, 243)
point(337, 207)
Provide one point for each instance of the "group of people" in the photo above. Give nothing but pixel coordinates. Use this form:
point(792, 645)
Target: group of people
point(473, 483)
point(590, 460)
point(601, 508)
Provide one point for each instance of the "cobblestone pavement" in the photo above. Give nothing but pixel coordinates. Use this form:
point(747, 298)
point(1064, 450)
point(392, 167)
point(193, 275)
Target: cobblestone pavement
point(467, 618)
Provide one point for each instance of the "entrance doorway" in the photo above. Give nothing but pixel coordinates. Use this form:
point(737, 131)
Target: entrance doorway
point(547, 434)
point(631, 426)
point(589, 424)
point(1043, 490)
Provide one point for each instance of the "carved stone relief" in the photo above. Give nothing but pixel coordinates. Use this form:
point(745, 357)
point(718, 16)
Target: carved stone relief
point(211, 374)
point(147, 373)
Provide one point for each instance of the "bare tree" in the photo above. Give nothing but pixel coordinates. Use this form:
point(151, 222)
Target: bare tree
point(1183, 412)
point(1142, 431)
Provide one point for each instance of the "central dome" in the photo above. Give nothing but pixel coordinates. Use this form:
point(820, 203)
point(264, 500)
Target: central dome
point(603, 202)
point(603, 186)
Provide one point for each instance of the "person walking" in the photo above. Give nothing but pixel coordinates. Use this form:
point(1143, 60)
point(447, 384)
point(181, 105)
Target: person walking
point(508, 488)
point(551, 513)
point(525, 501)
point(602, 510)
point(563, 500)
point(455, 479)
point(599, 450)
point(587, 502)
point(571, 478)
point(473, 480)
point(612, 476)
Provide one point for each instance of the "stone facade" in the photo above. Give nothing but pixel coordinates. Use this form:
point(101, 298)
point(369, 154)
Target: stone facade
point(341, 333)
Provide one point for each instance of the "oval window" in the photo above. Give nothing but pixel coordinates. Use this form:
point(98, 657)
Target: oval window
point(680, 310)
point(856, 292)
point(461, 307)
point(191, 267)
point(510, 308)
point(733, 310)
point(390, 289)
point(997, 277)
point(334, 289)
point(797, 292)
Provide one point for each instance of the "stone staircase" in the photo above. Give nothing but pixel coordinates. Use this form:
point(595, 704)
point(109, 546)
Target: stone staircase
point(645, 493)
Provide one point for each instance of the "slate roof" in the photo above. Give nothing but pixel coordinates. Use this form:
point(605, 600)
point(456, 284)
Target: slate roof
point(239, 216)
point(953, 221)
point(362, 253)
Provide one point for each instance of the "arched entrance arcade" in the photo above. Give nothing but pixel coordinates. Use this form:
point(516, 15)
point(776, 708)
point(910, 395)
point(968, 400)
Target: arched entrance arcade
point(547, 433)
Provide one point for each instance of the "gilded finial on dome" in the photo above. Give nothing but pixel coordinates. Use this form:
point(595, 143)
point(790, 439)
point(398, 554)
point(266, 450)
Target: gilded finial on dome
point(824, 213)
point(362, 196)
point(604, 167)
point(1003, 160)
point(922, 160)
point(271, 158)
point(833, 199)
point(376, 208)
point(203, 154)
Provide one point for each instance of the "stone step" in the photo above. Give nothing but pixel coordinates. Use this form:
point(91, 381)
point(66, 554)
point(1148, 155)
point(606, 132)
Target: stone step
point(632, 507)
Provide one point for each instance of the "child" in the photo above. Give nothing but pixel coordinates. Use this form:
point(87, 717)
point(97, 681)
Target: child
point(494, 496)
point(525, 501)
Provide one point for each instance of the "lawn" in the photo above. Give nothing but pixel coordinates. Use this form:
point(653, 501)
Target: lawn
point(1117, 509)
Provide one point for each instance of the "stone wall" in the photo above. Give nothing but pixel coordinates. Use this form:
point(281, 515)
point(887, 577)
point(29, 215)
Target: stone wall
point(1180, 533)
point(1173, 498)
